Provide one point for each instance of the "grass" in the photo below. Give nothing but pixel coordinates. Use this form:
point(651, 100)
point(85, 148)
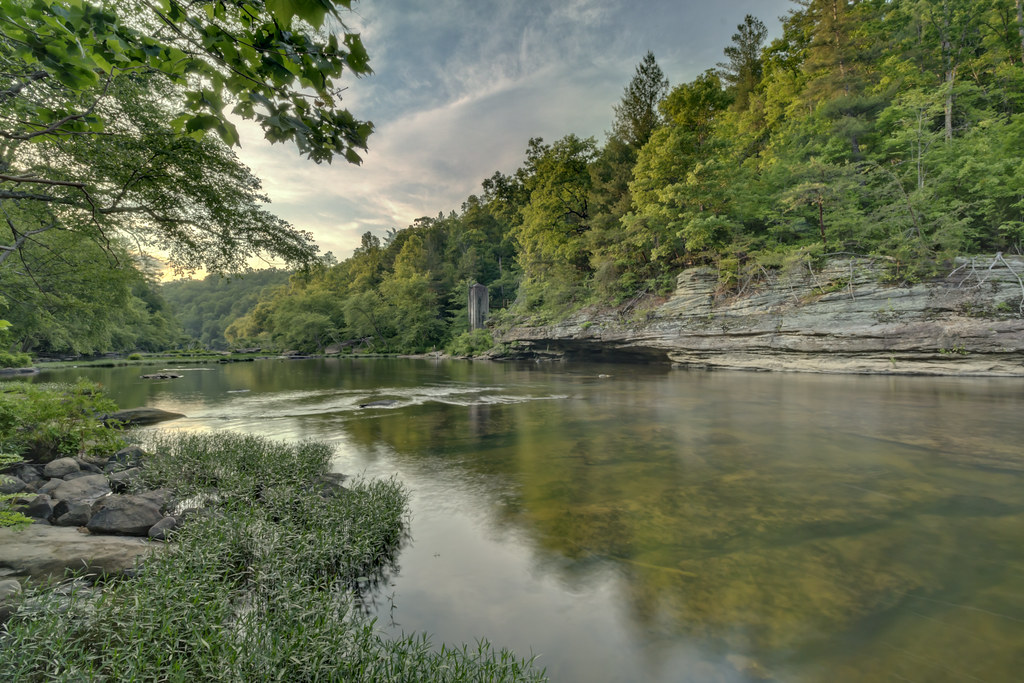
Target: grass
point(265, 583)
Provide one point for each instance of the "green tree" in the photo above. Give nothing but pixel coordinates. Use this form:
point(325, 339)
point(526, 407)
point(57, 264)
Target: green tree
point(636, 115)
point(553, 252)
point(744, 69)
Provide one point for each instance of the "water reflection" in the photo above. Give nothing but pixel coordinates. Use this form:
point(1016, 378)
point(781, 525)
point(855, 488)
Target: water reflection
point(664, 525)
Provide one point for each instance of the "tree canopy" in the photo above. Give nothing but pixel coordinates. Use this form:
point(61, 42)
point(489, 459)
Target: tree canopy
point(92, 129)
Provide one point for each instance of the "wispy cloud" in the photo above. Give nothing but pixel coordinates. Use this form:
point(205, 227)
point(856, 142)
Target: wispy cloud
point(461, 85)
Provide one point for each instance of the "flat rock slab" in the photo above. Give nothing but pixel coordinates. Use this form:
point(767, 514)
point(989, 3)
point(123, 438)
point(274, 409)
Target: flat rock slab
point(41, 552)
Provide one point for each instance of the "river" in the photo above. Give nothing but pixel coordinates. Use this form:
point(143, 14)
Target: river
point(638, 523)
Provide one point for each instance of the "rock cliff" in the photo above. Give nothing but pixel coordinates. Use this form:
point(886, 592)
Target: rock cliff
point(840, 318)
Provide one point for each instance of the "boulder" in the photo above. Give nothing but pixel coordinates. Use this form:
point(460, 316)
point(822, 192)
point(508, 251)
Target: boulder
point(88, 466)
point(141, 416)
point(42, 552)
point(162, 529)
point(77, 514)
point(159, 497)
point(76, 475)
point(9, 484)
point(130, 456)
point(61, 467)
point(29, 474)
point(35, 506)
point(87, 488)
point(49, 487)
point(124, 515)
point(122, 481)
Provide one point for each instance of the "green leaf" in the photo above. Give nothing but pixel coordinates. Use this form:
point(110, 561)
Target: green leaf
point(312, 11)
point(203, 122)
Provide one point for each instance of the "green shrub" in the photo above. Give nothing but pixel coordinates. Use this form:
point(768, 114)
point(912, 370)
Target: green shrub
point(47, 421)
point(470, 343)
point(15, 360)
point(135, 356)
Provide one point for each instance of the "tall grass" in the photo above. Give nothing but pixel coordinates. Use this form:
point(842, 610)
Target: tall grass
point(262, 585)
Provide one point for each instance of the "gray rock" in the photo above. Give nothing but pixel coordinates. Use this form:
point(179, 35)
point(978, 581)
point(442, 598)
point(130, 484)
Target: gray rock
point(28, 473)
point(88, 466)
point(162, 529)
point(76, 475)
point(123, 480)
point(76, 515)
point(159, 497)
point(49, 487)
point(42, 552)
point(9, 587)
point(124, 515)
point(328, 485)
point(87, 488)
point(10, 484)
point(836, 318)
point(38, 507)
point(130, 456)
point(60, 468)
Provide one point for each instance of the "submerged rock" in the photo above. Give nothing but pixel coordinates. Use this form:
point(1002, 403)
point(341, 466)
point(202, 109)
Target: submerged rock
point(141, 416)
point(378, 404)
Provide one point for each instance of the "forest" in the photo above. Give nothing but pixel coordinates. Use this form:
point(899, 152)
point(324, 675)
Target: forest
point(889, 129)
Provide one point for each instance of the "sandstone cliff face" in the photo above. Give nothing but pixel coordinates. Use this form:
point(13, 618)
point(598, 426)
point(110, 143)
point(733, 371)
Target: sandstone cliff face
point(841, 318)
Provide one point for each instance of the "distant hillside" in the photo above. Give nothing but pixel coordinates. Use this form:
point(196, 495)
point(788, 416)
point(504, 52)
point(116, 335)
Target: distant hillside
point(206, 307)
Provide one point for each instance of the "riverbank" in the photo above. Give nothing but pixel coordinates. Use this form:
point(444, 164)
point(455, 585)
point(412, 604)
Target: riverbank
point(231, 597)
point(839, 318)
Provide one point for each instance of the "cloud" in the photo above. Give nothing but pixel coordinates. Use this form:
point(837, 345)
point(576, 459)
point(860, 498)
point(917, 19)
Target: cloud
point(461, 85)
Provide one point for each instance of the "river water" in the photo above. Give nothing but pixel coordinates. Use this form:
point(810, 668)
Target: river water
point(636, 523)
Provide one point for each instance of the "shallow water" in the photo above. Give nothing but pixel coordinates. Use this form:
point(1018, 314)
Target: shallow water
point(666, 525)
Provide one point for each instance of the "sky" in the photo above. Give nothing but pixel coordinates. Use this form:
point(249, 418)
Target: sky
point(460, 86)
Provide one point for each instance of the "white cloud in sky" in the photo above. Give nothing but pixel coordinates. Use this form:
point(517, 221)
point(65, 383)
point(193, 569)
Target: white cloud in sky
point(460, 86)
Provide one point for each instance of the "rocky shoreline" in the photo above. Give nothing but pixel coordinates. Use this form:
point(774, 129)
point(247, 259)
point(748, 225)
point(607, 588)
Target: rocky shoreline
point(86, 516)
point(839, 318)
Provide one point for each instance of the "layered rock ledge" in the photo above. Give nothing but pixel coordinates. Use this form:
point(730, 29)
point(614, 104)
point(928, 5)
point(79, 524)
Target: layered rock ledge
point(842, 318)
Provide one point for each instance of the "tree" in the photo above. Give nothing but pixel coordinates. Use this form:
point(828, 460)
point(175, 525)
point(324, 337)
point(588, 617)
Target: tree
point(91, 129)
point(744, 69)
point(636, 115)
point(551, 237)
